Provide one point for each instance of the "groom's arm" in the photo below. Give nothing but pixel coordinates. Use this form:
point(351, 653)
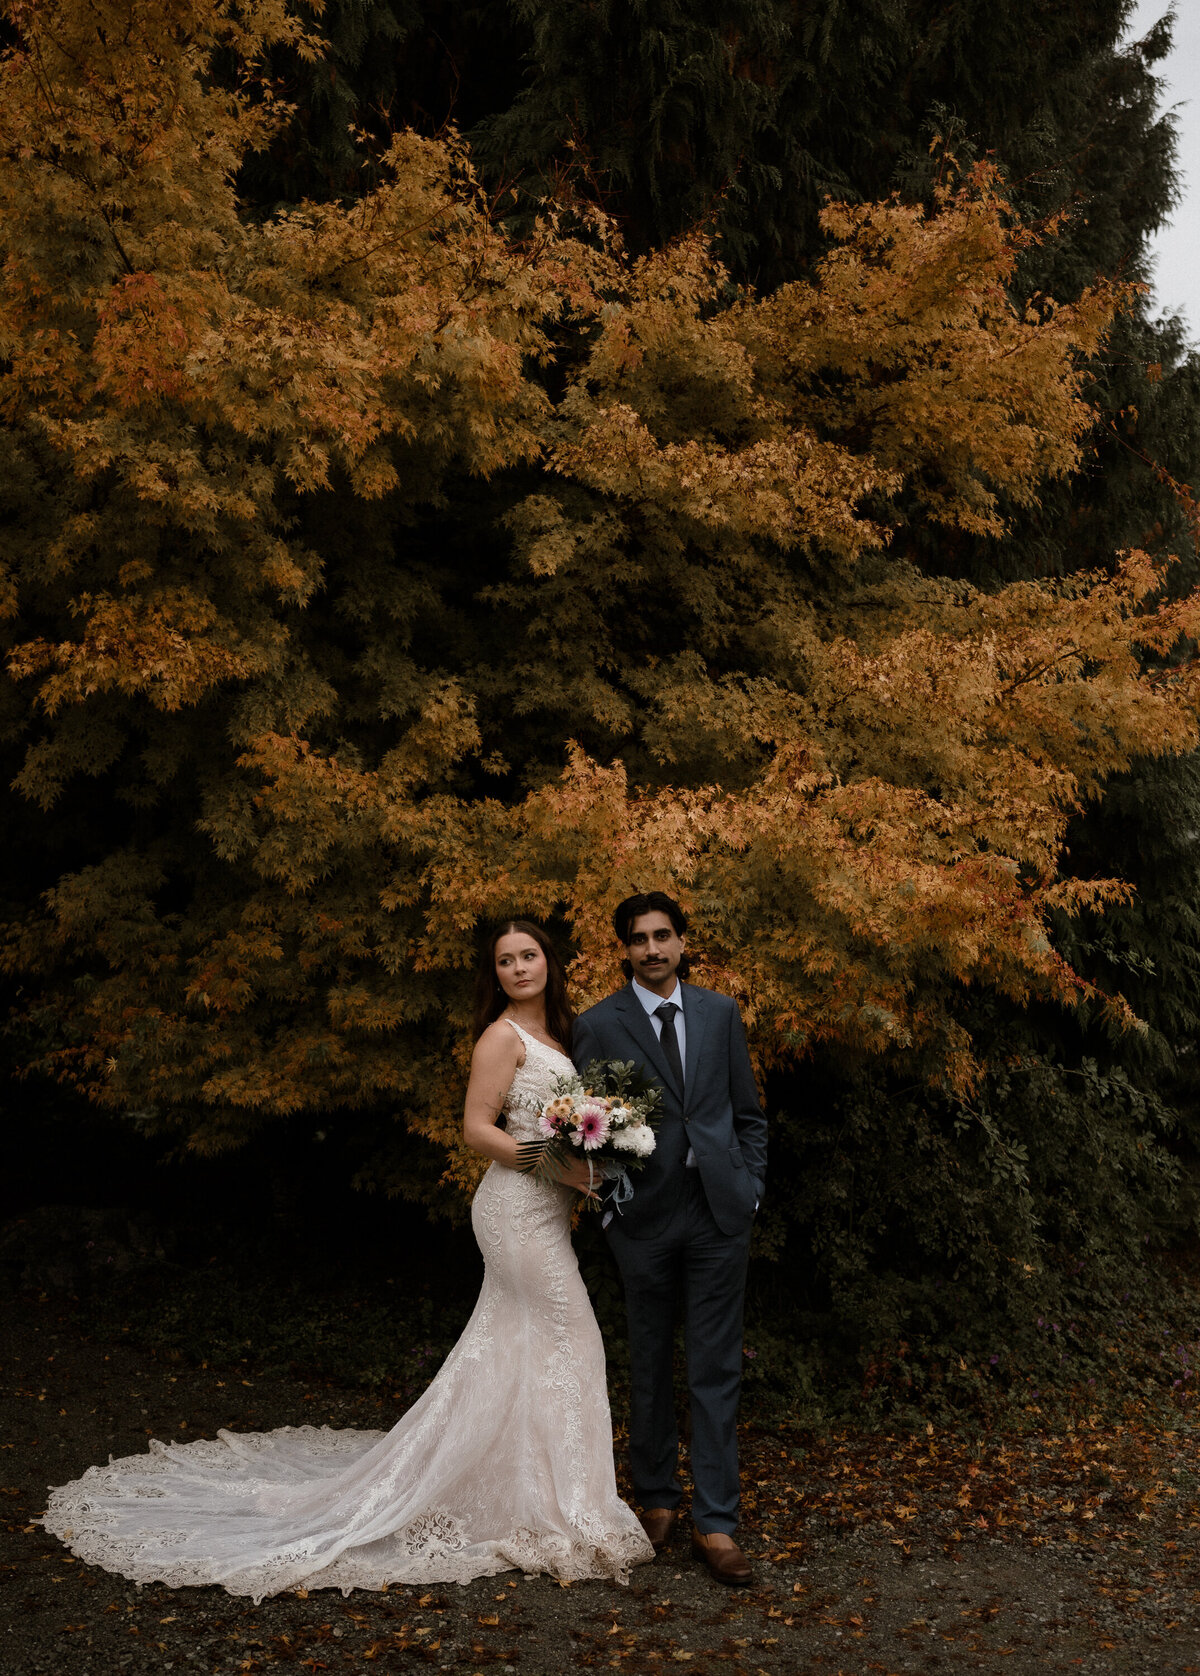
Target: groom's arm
point(749, 1120)
point(584, 1045)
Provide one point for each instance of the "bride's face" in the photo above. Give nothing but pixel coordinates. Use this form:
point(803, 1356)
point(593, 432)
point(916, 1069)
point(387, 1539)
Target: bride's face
point(520, 966)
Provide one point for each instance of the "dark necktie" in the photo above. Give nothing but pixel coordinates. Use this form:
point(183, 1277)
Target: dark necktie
point(670, 1042)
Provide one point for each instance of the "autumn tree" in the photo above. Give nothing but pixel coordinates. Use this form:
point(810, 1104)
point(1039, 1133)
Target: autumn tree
point(672, 120)
point(750, 122)
point(373, 570)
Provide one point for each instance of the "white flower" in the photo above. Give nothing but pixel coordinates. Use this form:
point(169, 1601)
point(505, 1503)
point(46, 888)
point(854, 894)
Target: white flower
point(639, 1139)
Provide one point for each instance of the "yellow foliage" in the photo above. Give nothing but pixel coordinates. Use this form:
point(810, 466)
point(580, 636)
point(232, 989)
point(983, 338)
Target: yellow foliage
point(719, 669)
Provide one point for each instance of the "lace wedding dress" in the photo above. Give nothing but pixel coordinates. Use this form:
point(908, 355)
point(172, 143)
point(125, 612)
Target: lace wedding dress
point(506, 1461)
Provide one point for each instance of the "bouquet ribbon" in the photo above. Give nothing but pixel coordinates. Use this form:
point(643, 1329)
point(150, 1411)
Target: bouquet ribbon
point(622, 1192)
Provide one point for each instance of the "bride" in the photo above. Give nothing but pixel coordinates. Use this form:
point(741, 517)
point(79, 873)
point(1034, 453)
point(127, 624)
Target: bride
point(506, 1461)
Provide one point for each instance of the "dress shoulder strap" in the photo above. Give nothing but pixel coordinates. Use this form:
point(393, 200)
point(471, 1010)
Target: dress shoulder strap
point(523, 1034)
point(530, 1040)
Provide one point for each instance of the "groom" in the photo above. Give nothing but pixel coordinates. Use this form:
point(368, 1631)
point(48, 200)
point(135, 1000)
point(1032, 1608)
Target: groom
point(684, 1237)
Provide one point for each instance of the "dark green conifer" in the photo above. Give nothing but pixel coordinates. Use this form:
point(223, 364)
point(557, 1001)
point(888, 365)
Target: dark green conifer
point(673, 116)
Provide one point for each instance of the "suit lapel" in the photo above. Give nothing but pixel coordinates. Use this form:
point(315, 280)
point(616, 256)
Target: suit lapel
point(635, 1020)
point(695, 1021)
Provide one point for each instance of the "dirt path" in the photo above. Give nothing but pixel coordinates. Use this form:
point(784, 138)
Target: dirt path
point(1077, 1554)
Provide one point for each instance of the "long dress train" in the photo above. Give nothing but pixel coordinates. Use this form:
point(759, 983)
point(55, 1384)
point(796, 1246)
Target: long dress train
point(505, 1461)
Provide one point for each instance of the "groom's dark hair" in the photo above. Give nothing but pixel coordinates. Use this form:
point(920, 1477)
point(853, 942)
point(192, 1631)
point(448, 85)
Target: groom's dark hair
point(649, 902)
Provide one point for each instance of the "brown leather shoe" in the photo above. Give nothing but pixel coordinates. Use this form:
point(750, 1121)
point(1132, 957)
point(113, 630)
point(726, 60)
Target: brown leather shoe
point(658, 1523)
point(724, 1560)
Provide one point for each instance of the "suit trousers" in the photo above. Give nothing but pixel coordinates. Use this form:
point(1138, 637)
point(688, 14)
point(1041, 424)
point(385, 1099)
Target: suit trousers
point(689, 1262)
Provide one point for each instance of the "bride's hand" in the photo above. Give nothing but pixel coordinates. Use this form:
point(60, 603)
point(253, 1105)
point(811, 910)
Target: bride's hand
point(581, 1177)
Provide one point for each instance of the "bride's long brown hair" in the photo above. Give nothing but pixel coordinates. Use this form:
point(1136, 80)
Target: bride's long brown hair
point(490, 999)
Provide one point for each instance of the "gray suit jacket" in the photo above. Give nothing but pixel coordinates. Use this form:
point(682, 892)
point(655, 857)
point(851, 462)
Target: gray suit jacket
point(717, 1113)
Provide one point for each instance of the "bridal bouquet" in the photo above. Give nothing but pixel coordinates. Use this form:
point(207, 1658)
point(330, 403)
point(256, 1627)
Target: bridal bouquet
point(606, 1114)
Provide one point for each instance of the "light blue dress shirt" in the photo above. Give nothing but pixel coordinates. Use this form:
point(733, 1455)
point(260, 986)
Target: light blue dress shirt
point(650, 1001)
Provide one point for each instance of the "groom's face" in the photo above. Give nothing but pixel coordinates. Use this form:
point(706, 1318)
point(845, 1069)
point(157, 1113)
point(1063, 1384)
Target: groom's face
point(654, 949)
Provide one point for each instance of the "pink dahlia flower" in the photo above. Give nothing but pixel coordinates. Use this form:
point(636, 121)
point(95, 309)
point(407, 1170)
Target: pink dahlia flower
point(591, 1125)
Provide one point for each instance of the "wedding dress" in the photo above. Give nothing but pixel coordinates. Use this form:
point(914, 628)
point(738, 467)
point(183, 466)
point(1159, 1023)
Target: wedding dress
point(505, 1461)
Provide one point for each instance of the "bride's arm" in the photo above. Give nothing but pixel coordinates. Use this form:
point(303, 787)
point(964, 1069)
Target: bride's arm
point(493, 1066)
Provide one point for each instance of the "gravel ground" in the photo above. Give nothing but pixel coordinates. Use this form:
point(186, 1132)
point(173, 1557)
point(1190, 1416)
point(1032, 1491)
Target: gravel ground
point(834, 1590)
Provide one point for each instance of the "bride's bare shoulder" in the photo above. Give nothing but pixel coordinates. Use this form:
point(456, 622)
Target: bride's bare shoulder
point(499, 1045)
